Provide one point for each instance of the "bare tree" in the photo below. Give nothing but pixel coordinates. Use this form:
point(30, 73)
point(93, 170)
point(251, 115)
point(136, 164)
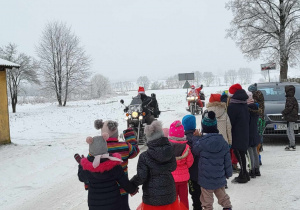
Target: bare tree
point(231, 75)
point(198, 77)
point(143, 81)
point(208, 78)
point(100, 86)
point(156, 85)
point(226, 78)
point(265, 75)
point(15, 77)
point(63, 61)
point(267, 28)
point(245, 75)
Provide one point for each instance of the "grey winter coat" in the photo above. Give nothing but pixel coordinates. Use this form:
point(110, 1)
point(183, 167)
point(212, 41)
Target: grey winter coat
point(214, 160)
point(154, 173)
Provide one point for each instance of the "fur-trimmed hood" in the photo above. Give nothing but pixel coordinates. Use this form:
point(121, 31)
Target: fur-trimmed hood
point(104, 166)
point(217, 107)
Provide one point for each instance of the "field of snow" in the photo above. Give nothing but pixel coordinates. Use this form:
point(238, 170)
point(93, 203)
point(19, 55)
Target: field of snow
point(38, 170)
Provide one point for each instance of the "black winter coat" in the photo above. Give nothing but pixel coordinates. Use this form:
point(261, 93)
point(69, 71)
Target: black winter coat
point(239, 119)
point(104, 192)
point(290, 113)
point(254, 138)
point(194, 168)
point(154, 173)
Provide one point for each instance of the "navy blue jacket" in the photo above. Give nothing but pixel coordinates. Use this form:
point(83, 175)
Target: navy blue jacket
point(239, 118)
point(194, 168)
point(254, 138)
point(104, 192)
point(214, 160)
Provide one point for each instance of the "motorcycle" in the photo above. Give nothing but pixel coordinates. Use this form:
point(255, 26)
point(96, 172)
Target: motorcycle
point(135, 118)
point(194, 108)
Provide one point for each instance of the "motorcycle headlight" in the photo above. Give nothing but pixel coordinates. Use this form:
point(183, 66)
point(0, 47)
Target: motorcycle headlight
point(135, 114)
point(140, 117)
point(196, 98)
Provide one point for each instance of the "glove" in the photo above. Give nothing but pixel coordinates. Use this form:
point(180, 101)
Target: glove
point(129, 134)
point(135, 192)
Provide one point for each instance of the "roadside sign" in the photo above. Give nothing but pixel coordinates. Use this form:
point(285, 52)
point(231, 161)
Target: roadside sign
point(186, 85)
point(186, 76)
point(268, 66)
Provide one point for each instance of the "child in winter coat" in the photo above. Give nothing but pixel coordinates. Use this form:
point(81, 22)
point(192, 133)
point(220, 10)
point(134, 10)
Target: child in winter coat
point(184, 159)
point(128, 149)
point(103, 172)
point(239, 118)
point(290, 114)
point(254, 138)
point(214, 163)
point(154, 172)
point(189, 124)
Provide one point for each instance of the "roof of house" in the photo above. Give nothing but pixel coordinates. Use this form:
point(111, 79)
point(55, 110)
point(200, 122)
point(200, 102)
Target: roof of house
point(8, 64)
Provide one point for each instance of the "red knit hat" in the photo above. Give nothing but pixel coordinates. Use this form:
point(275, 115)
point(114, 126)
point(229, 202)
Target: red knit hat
point(215, 98)
point(234, 88)
point(141, 90)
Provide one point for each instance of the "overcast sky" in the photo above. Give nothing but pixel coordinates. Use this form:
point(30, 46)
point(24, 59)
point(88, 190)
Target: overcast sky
point(131, 38)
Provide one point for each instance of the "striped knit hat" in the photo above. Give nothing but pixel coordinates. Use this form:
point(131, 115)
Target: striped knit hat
point(209, 122)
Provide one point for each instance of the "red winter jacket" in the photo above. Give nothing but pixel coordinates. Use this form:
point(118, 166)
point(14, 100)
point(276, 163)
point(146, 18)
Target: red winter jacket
point(184, 160)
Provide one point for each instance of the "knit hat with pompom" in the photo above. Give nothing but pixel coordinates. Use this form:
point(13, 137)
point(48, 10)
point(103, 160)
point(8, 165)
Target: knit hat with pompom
point(108, 127)
point(209, 123)
point(176, 131)
point(154, 131)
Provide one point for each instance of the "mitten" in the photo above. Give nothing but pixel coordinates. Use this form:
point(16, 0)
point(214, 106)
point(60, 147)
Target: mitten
point(129, 134)
point(77, 158)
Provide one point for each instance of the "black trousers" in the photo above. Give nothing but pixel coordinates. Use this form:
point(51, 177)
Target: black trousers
point(124, 202)
point(241, 156)
point(195, 192)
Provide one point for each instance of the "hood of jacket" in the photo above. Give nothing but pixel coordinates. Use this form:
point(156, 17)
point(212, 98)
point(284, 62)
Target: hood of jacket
point(105, 165)
point(212, 142)
point(219, 108)
point(290, 91)
point(160, 150)
point(240, 95)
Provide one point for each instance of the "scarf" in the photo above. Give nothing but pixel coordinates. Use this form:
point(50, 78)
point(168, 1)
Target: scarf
point(235, 101)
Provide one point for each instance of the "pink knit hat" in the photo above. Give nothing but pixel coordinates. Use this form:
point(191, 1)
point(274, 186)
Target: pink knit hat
point(177, 131)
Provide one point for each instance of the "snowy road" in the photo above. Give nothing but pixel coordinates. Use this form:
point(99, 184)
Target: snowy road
point(38, 170)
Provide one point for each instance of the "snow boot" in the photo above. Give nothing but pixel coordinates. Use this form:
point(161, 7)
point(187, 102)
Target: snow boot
point(290, 148)
point(257, 172)
point(226, 208)
point(252, 174)
point(240, 179)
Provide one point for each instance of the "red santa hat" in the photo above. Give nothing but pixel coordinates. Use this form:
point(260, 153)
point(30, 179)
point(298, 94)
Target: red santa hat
point(234, 88)
point(215, 98)
point(141, 90)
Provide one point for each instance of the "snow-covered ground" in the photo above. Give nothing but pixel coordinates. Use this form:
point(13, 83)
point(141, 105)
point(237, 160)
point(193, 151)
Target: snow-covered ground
point(38, 170)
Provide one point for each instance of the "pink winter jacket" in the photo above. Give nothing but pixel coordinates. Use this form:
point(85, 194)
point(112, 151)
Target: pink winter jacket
point(184, 162)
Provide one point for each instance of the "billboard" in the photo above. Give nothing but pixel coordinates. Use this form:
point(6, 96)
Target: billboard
point(268, 66)
point(186, 76)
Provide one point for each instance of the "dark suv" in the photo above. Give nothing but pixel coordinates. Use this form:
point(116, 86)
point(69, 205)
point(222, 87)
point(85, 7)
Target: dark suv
point(274, 94)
